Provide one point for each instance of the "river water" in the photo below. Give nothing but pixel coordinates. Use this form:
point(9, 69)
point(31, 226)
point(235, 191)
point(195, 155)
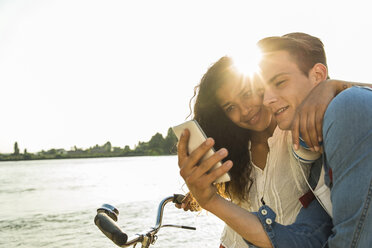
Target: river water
point(52, 203)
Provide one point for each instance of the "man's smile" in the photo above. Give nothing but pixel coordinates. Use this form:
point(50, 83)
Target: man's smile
point(280, 111)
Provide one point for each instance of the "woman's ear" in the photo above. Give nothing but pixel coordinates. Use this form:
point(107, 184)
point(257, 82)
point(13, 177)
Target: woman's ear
point(318, 73)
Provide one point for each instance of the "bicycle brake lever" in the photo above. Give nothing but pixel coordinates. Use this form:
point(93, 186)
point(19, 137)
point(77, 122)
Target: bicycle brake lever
point(180, 226)
point(188, 227)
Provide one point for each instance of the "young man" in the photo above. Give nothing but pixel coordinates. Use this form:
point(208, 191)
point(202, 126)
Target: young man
point(292, 66)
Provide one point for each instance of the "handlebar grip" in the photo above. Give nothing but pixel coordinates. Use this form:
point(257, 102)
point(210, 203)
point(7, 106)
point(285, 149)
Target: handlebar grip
point(177, 198)
point(110, 228)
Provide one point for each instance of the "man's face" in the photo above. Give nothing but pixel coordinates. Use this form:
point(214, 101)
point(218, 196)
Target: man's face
point(286, 86)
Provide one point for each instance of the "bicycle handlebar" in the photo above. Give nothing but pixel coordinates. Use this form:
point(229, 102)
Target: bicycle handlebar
point(106, 221)
point(176, 198)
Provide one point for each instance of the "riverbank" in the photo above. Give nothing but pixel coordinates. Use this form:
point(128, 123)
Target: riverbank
point(156, 146)
point(25, 157)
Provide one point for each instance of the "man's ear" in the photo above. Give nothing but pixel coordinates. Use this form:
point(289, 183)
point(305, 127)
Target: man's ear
point(318, 73)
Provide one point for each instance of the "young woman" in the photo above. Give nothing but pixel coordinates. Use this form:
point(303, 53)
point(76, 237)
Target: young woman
point(229, 108)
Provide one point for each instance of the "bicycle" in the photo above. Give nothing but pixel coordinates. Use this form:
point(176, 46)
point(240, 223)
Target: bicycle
point(107, 216)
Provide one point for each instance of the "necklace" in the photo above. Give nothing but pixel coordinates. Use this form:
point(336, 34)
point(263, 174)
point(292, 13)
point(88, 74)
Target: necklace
point(264, 170)
point(264, 187)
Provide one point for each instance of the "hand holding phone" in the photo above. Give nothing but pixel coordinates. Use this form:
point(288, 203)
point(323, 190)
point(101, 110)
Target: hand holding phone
point(197, 137)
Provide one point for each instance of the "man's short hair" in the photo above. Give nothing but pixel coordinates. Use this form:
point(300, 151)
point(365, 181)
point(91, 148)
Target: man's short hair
point(306, 50)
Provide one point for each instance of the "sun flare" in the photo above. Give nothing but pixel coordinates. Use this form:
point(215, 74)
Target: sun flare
point(246, 61)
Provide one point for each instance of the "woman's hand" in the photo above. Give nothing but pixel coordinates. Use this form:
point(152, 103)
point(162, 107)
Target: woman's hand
point(189, 203)
point(200, 184)
point(196, 175)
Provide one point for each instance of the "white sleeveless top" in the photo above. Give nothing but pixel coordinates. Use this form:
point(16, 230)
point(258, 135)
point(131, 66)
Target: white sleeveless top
point(281, 184)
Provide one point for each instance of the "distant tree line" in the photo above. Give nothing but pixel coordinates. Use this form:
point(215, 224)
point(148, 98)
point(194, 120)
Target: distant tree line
point(157, 145)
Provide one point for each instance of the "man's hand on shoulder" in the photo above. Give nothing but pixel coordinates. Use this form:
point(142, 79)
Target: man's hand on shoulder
point(308, 120)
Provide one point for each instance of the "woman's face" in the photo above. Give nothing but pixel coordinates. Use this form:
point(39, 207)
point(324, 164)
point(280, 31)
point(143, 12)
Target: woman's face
point(243, 104)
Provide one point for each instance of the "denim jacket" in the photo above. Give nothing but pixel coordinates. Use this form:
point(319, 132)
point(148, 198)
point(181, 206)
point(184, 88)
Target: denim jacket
point(312, 227)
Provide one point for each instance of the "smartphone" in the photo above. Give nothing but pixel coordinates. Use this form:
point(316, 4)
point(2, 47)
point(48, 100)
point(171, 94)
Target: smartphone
point(197, 137)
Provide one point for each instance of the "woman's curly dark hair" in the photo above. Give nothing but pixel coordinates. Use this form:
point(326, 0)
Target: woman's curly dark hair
point(215, 123)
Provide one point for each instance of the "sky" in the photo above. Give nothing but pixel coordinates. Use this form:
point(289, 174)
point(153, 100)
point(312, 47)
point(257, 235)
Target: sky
point(84, 72)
